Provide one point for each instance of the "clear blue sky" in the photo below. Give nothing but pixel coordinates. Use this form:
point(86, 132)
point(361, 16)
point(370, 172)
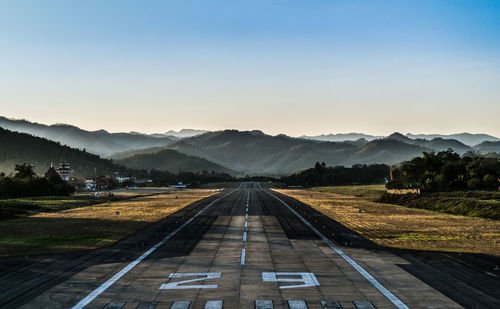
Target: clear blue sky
point(295, 67)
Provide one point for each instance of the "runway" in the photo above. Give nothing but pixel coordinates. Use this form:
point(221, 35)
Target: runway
point(247, 248)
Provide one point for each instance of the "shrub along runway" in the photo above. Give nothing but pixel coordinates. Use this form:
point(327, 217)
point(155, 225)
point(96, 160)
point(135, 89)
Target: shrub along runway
point(247, 248)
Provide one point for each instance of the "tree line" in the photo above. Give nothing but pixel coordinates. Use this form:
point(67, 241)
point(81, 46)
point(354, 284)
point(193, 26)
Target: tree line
point(321, 175)
point(447, 170)
point(24, 182)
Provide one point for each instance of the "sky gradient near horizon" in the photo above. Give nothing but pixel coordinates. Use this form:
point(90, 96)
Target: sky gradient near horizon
point(293, 67)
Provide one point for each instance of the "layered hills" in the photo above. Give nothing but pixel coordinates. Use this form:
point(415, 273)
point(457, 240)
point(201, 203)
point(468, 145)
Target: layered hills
point(232, 151)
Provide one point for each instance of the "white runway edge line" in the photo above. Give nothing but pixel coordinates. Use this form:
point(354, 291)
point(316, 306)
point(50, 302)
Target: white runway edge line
point(103, 287)
point(382, 289)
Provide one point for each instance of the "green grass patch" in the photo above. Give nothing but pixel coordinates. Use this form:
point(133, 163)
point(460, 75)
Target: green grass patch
point(420, 236)
point(471, 204)
point(20, 207)
point(365, 191)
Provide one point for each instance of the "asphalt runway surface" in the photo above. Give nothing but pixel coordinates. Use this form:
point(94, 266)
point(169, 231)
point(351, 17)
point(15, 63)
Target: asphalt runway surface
point(247, 247)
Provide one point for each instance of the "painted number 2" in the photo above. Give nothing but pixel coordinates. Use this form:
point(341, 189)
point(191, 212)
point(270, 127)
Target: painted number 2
point(306, 279)
point(203, 276)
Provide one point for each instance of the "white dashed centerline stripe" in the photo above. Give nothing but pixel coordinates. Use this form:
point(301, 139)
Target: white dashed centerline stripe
point(382, 289)
point(246, 216)
point(244, 236)
point(246, 224)
point(243, 253)
point(103, 287)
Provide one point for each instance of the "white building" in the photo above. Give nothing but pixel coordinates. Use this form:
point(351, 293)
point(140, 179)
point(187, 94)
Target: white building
point(64, 171)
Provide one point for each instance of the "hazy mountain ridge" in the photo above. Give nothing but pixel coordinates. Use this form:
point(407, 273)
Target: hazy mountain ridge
point(98, 142)
point(243, 152)
point(342, 137)
point(257, 153)
point(468, 139)
point(183, 133)
point(171, 161)
point(17, 148)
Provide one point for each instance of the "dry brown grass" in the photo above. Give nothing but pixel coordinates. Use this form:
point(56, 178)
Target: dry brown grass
point(90, 227)
point(401, 227)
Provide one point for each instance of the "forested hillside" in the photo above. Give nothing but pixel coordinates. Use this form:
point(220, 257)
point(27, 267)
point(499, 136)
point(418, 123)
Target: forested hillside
point(171, 161)
point(16, 148)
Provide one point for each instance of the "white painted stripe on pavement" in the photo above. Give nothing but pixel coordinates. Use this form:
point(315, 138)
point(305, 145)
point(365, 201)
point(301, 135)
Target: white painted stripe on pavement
point(264, 304)
point(243, 253)
point(382, 289)
point(246, 224)
point(363, 305)
point(330, 304)
point(246, 216)
point(213, 304)
point(183, 304)
point(297, 304)
point(244, 236)
point(103, 287)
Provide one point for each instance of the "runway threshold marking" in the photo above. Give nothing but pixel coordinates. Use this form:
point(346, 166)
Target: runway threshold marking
point(264, 304)
point(363, 305)
point(103, 287)
point(330, 304)
point(182, 304)
point(381, 288)
point(297, 304)
point(213, 304)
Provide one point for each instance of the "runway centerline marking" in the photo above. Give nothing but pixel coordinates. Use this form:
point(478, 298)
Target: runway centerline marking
point(103, 287)
point(243, 254)
point(244, 236)
point(246, 224)
point(382, 289)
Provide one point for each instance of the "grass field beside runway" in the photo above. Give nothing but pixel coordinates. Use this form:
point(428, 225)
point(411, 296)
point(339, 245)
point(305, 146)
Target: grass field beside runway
point(371, 192)
point(26, 206)
point(402, 227)
point(90, 227)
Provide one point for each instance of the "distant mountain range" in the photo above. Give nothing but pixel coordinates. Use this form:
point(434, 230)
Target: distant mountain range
point(17, 148)
point(172, 161)
point(465, 138)
point(254, 152)
point(98, 142)
point(342, 137)
point(180, 134)
point(249, 152)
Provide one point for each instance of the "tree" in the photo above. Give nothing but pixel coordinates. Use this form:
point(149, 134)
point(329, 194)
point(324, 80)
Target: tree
point(24, 171)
